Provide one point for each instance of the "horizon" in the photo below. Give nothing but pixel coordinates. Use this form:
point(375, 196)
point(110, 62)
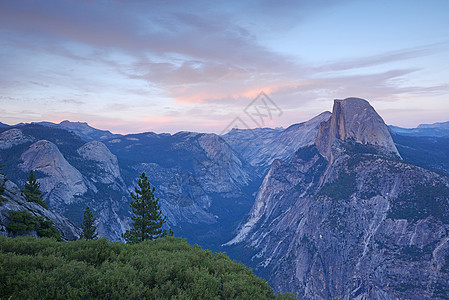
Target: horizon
point(218, 133)
point(133, 67)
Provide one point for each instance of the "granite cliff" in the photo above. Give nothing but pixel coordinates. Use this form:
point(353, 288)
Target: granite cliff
point(346, 217)
point(354, 120)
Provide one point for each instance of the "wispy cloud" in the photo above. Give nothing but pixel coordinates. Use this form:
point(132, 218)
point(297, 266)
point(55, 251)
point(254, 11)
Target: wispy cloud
point(124, 61)
point(384, 58)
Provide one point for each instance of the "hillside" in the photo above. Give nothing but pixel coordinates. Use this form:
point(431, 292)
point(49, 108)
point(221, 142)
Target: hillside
point(347, 217)
point(203, 185)
point(12, 199)
point(167, 268)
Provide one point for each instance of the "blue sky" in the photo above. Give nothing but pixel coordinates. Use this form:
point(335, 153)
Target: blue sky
point(166, 66)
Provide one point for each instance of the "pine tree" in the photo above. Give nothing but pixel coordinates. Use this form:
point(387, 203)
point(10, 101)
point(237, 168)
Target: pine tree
point(33, 192)
point(2, 187)
point(88, 227)
point(147, 216)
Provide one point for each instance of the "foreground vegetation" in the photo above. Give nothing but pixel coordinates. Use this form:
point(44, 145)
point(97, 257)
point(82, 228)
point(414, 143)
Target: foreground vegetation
point(166, 268)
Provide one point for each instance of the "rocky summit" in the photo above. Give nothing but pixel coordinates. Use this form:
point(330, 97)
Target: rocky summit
point(346, 217)
point(355, 120)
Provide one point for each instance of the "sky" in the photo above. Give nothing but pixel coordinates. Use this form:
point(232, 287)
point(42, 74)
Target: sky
point(166, 66)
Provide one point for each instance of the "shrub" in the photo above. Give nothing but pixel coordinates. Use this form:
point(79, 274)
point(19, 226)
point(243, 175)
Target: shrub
point(22, 222)
point(166, 268)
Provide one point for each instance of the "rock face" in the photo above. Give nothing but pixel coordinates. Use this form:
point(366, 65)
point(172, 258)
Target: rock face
point(98, 153)
point(347, 218)
point(13, 137)
point(224, 165)
point(12, 199)
point(261, 146)
point(354, 119)
point(63, 181)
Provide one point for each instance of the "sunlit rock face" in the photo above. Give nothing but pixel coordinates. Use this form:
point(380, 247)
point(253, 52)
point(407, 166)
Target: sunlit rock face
point(347, 218)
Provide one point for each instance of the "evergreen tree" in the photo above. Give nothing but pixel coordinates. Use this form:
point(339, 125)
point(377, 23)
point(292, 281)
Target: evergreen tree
point(33, 192)
point(2, 187)
point(88, 227)
point(23, 222)
point(147, 216)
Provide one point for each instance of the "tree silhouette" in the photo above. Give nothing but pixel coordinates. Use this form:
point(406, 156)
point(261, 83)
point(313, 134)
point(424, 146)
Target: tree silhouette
point(88, 227)
point(147, 216)
point(33, 191)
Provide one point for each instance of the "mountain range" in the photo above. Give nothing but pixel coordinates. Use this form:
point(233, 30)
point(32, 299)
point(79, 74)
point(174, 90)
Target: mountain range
point(348, 217)
point(437, 130)
point(339, 206)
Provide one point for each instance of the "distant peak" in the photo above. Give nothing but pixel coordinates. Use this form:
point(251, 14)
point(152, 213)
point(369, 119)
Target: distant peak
point(67, 122)
point(434, 125)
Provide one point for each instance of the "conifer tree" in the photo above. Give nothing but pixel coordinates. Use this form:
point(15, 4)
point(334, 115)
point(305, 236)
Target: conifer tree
point(2, 187)
point(33, 192)
point(147, 216)
point(88, 227)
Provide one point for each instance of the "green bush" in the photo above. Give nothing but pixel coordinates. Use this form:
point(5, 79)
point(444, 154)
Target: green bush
point(166, 268)
point(22, 222)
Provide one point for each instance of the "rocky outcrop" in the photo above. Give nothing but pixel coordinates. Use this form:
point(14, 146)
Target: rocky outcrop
point(12, 199)
point(62, 182)
point(222, 165)
point(350, 222)
point(355, 120)
point(13, 137)
point(99, 154)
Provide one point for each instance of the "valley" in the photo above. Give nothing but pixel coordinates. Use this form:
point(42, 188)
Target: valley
point(338, 206)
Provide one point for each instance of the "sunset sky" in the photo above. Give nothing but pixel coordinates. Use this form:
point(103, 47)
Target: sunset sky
point(166, 66)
